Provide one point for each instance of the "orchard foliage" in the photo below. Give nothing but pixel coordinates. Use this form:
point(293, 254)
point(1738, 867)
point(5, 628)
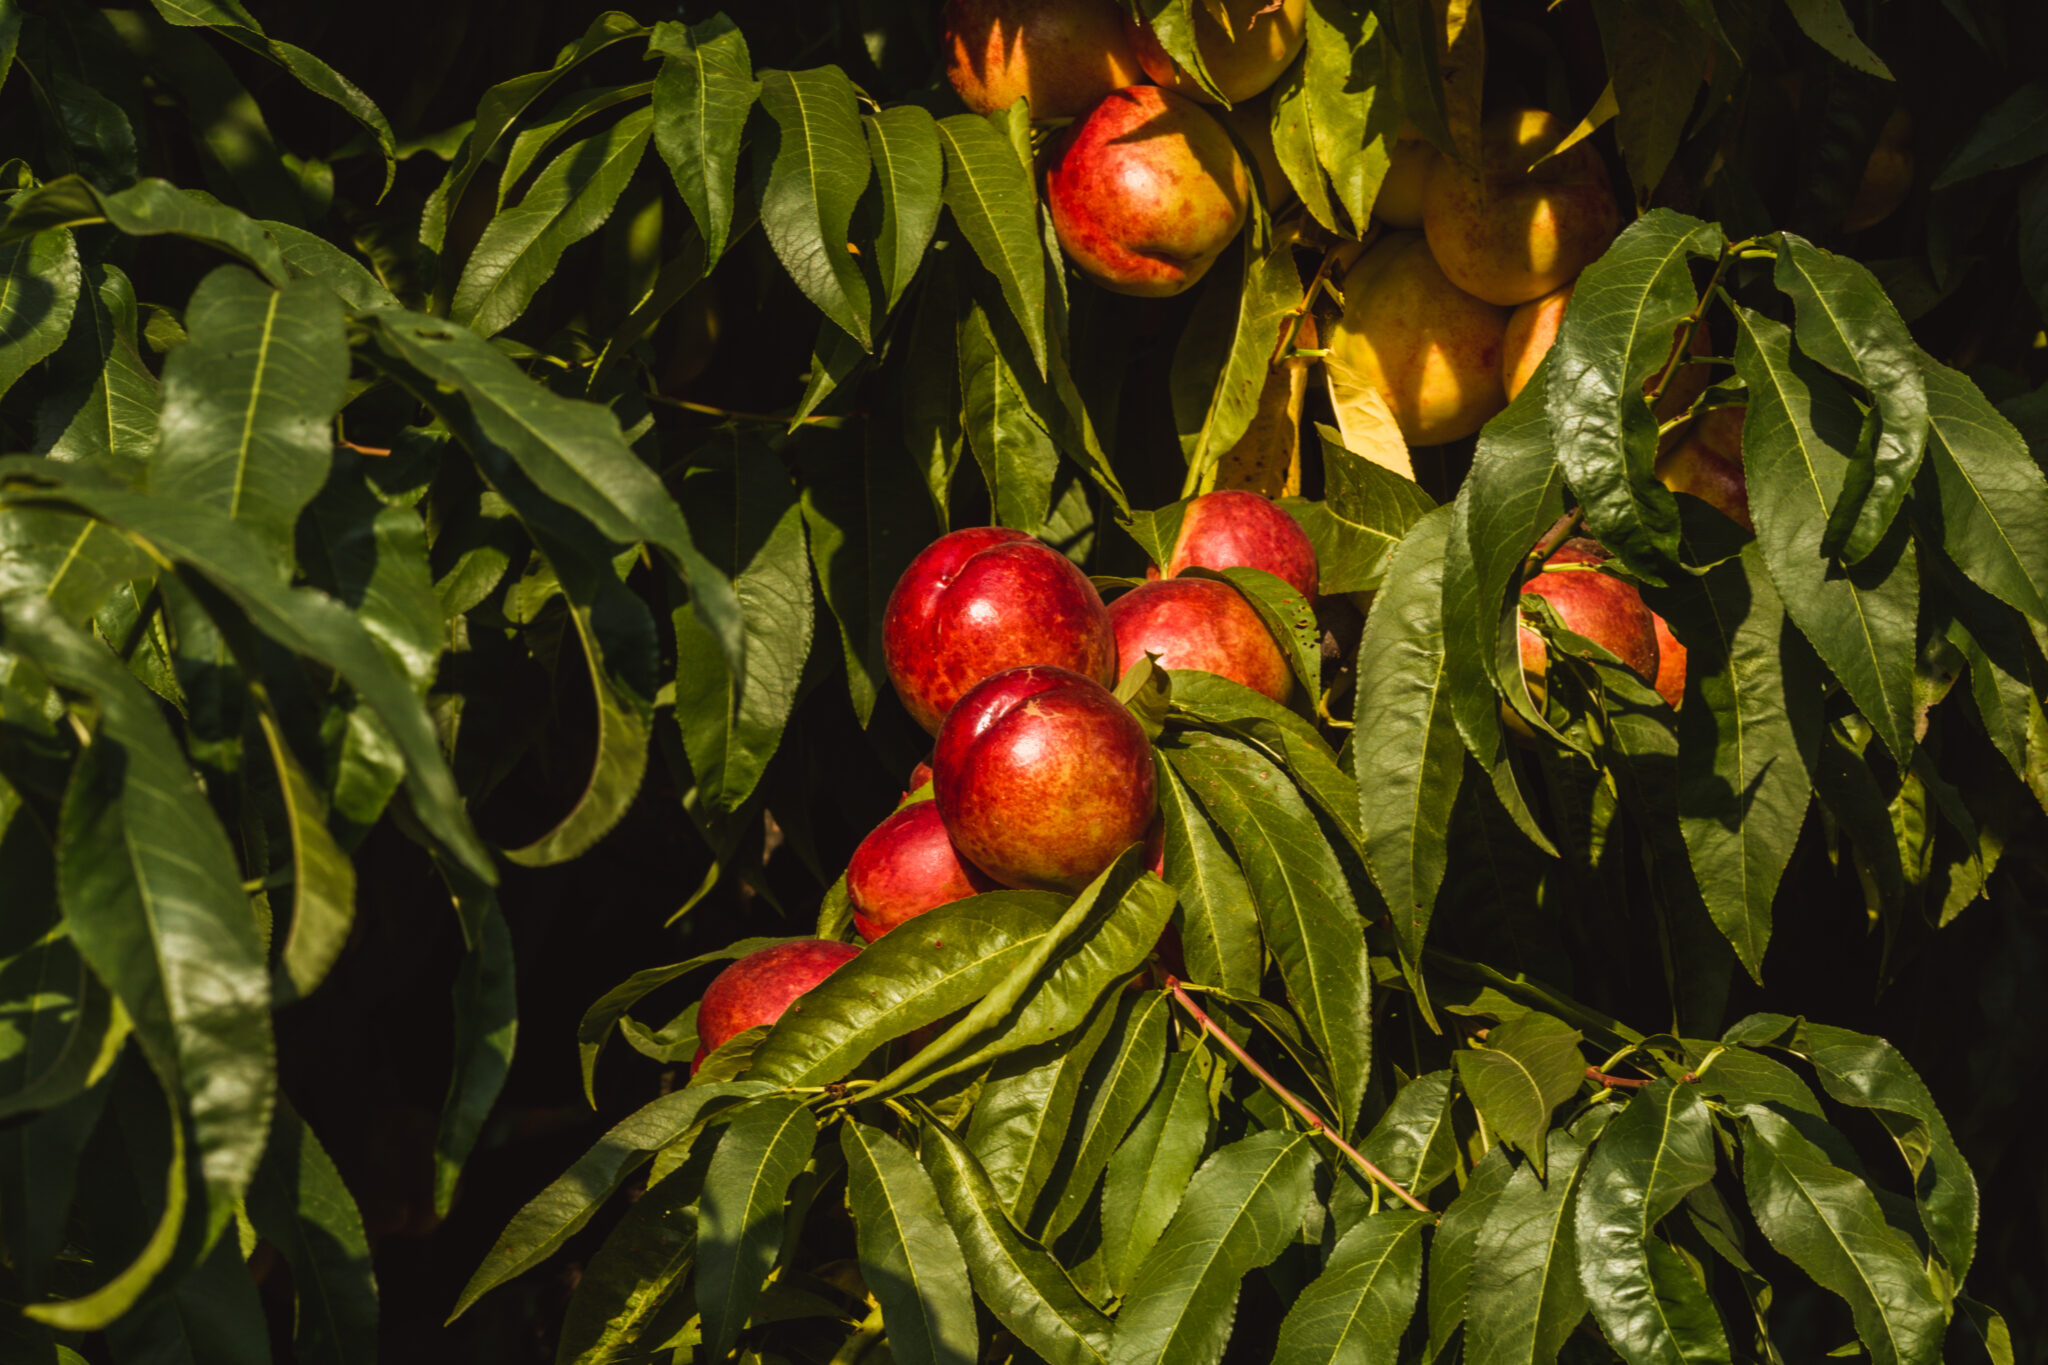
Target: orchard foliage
point(363, 467)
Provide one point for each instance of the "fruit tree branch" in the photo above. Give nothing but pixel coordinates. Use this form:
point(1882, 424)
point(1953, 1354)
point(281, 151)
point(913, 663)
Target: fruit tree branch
point(1309, 1116)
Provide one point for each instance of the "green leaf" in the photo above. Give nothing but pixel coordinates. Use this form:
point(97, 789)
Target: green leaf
point(301, 620)
point(39, 284)
point(1024, 1286)
point(812, 165)
point(299, 1205)
point(1452, 1249)
point(1795, 445)
point(234, 22)
point(308, 257)
point(1240, 1211)
point(1221, 360)
point(113, 426)
point(909, 1257)
point(1524, 1296)
point(1097, 942)
point(249, 402)
point(1408, 775)
point(621, 1294)
point(910, 167)
point(1990, 507)
point(94, 1310)
point(1645, 1299)
point(1529, 1066)
point(153, 899)
point(1151, 1168)
point(2013, 132)
point(1358, 1308)
point(1827, 23)
point(739, 1228)
point(1019, 1124)
point(1288, 616)
point(569, 200)
point(1415, 1141)
point(543, 452)
point(572, 110)
point(557, 1212)
point(1616, 334)
point(60, 1024)
point(1172, 22)
point(1365, 512)
point(1748, 745)
point(990, 194)
point(1295, 144)
point(486, 1028)
point(501, 107)
point(609, 1008)
point(1514, 492)
point(1306, 909)
point(1871, 1074)
point(1845, 322)
point(731, 725)
point(324, 880)
point(209, 1313)
point(1120, 1081)
point(1219, 926)
point(147, 208)
point(1011, 440)
point(1353, 111)
point(701, 100)
point(1828, 1223)
point(943, 960)
point(1656, 58)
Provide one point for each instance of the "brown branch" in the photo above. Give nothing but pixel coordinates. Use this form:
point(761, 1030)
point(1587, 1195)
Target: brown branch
point(1309, 1116)
point(1560, 531)
point(1613, 1082)
point(379, 451)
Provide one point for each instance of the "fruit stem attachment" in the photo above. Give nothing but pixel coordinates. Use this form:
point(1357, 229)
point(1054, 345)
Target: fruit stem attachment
point(1309, 1116)
point(1560, 531)
point(1683, 343)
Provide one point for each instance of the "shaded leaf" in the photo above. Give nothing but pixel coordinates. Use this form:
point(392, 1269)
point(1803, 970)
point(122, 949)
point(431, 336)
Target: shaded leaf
point(1524, 1296)
point(1221, 360)
point(1452, 1249)
point(299, 1205)
point(486, 1027)
point(701, 100)
point(39, 285)
point(909, 1257)
point(911, 168)
point(1121, 1079)
point(148, 208)
point(1991, 496)
point(1219, 926)
point(1150, 1170)
point(739, 1227)
point(1358, 1308)
point(812, 166)
point(1529, 1066)
point(989, 192)
point(1364, 513)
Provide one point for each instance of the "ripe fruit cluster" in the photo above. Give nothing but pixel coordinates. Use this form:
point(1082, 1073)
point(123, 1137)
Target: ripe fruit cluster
point(1004, 651)
point(1146, 187)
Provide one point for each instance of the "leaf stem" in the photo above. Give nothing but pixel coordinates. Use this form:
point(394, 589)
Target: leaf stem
point(1560, 531)
point(1682, 343)
point(733, 416)
point(1309, 1116)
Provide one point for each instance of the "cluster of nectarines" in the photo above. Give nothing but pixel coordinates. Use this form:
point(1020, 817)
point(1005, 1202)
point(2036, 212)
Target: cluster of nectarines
point(1040, 777)
point(1145, 187)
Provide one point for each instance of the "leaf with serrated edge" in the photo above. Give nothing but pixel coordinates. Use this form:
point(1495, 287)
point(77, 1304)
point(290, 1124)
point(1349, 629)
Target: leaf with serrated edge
point(1240, 1211)
point(1219, 928)
point(1120, 1081)
point(1795, 443)
point(1020, 1119)
point(1415, 1141)
point(1408, 775)
point(1151, 1168)
point(909, 1256)
point(39, 288)
point(701, 100)
point(1991, 496)
point(1524, 1297)
point(1651, 1308)
point(1827, 1222)
point(1748, 743)
point(1529, 1066)
point(1024, 1286)
point(910, 166)
point(739, 1225)
point(1357, 1309)
point(1306, 910)
point(813, 165)
point(299, 1205)
point(1451, 1249)
point(1616, 334)
point(148, 208)
point(1843, 319)
point(990, 195)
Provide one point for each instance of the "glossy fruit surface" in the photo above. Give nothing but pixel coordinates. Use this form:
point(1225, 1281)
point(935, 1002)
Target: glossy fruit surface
point(1230, 529)
point(1146, 191)
point(1043, 778)
point(758, 989)
point(1199, 623)
point(983, 599)
point(1597, 605)
point(907, 866)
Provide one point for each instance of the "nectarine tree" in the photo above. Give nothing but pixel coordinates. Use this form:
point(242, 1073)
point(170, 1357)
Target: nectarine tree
point(1462, 589)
